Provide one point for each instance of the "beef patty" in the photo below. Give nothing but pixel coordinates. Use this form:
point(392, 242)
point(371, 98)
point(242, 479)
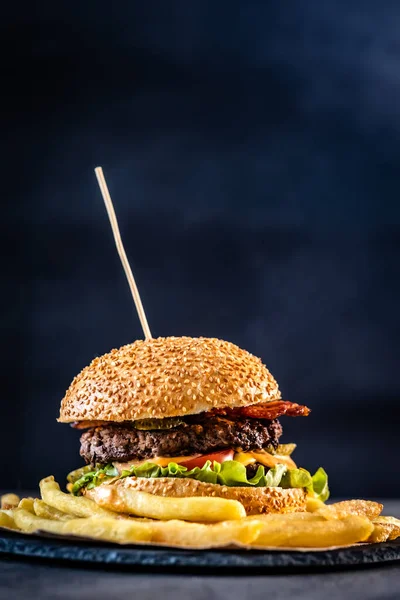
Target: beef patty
point(122, 442)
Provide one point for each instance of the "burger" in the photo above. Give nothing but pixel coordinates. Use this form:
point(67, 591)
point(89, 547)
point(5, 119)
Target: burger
point(182, 417)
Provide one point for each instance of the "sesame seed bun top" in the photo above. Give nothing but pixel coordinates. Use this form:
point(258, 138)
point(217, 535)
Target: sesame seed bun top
point(167, 377)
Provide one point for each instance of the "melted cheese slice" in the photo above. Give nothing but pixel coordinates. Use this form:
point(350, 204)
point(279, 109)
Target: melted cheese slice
point(264, 458)
point(246, 458)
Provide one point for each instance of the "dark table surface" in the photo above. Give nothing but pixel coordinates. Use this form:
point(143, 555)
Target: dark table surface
point(22, 579)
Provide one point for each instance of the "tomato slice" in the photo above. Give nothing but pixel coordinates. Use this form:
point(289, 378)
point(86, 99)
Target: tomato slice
point(199, 461)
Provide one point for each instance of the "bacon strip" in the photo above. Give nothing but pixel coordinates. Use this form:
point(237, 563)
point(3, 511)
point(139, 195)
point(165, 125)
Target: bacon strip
point(269, 410)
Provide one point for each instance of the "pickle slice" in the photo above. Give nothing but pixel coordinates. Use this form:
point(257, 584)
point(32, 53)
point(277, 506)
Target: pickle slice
point(285, 449)
point(149, 424)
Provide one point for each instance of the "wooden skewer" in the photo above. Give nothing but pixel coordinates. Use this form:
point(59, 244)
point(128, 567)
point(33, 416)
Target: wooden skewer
point(121, 251)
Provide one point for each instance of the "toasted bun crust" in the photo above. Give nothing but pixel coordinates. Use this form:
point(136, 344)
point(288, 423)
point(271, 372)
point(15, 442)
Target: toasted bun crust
point(255, 500)
point(167, 377)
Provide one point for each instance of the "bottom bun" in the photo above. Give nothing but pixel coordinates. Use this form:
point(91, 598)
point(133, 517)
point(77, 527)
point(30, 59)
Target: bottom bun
point(255, 500)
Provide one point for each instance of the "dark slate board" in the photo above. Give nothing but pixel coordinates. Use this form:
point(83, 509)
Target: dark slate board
point(90, 554)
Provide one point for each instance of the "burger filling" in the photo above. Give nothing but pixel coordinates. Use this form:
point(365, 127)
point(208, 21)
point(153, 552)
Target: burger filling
point(233, 447)
point(123, 443)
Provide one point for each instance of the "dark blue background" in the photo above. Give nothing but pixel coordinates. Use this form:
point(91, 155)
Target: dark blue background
point(253, 154)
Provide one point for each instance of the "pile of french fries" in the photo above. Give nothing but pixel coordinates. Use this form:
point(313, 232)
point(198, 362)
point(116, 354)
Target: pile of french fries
point(196, 523)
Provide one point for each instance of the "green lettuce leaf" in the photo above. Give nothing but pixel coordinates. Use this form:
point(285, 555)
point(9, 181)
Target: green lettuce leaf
point(274, 476)
point(229, 473)
point(319, 486)
point(232, 472)
point(316, 485)
point(94, 478)
point(295, 478)
point(78, 473)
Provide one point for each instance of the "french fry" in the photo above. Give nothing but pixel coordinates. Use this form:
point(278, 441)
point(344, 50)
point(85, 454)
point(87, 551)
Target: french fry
point(26, 504)
point(387, 519)
point(108, 517)
point(380, 533)
point(43, 510)
point(79, 506)
point(200, 535)
point(288, 517)
point(7, 520)
point(361, 508)
point(100, 528)
point(8, 501)
point(135, 531)
point(142, 504)
point(395, 524)
point(385, 528)
point(314, 504)
point(315, 532)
